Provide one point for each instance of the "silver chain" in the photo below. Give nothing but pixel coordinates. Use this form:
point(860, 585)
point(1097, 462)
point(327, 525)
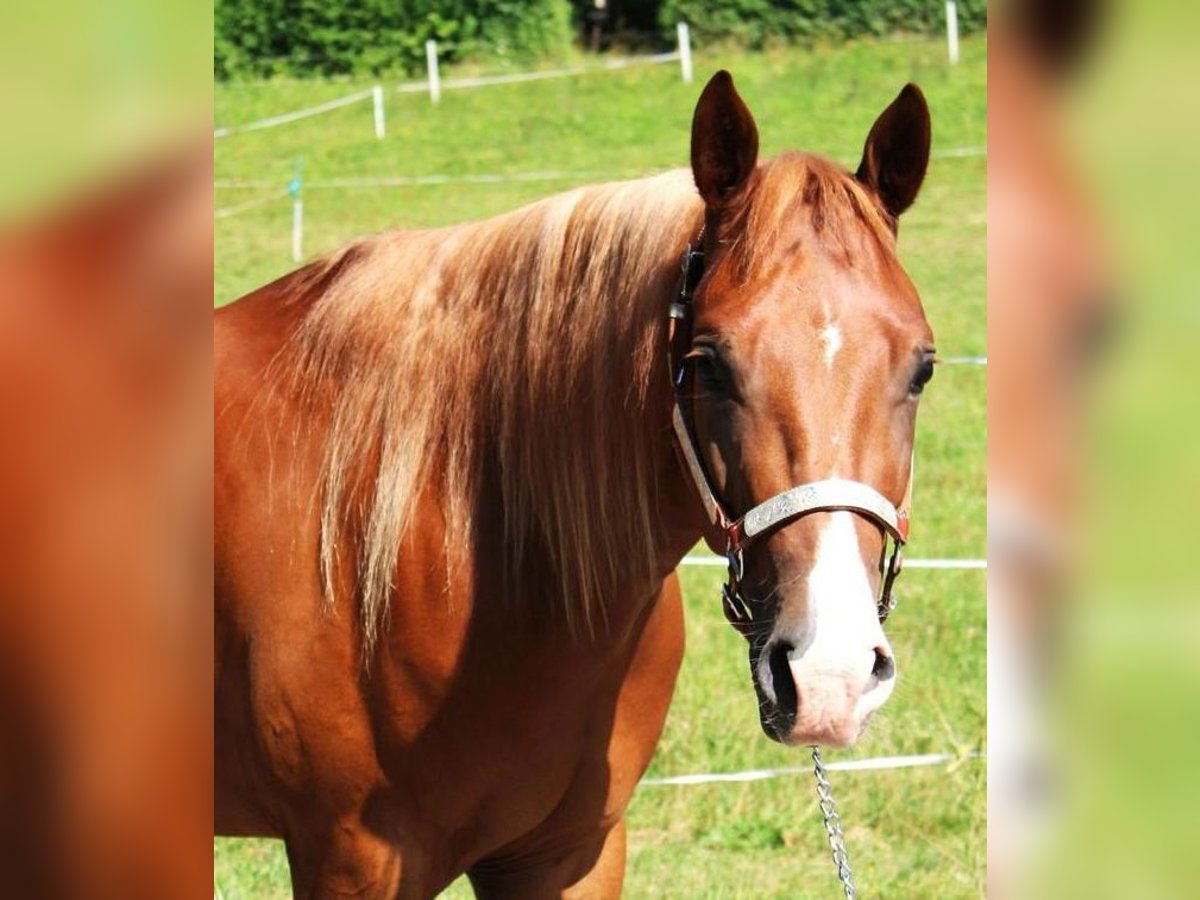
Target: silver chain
point(833, 826)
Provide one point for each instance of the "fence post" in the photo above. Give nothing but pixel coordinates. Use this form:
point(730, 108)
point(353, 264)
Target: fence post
point(377, 93)
point(685, 51)
point(952, 30)
point(297, 216)
point(431, 62)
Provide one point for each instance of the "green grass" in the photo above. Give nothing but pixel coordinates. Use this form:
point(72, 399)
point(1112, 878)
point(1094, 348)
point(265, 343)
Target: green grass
point(911, 833)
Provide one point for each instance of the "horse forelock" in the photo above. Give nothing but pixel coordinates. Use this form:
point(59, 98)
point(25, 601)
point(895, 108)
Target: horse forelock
point(798, 189)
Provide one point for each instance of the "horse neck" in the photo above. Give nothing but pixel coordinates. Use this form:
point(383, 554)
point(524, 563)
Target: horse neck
point(679, 516)
point(605, 384)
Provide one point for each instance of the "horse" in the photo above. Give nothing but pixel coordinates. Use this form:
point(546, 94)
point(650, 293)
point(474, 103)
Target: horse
point(450, 501)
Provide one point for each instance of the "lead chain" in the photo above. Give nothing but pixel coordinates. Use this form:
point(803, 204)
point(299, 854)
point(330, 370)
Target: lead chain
point(833, 826)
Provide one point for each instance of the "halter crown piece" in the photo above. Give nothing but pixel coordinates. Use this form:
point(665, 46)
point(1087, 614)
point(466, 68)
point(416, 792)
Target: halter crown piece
point(784, 508)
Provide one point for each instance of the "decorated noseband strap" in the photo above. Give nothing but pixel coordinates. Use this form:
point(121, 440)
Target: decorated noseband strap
point(832, 494)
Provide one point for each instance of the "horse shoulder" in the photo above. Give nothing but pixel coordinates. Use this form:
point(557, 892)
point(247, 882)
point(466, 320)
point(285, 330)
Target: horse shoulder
point(286, 662)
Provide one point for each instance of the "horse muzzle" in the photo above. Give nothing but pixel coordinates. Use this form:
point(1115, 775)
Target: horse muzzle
point(817, 697)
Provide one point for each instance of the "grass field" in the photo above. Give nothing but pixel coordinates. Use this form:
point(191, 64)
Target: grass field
point(911, 833)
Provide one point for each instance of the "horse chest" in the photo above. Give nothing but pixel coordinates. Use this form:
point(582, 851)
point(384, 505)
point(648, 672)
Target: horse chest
point(525, 747)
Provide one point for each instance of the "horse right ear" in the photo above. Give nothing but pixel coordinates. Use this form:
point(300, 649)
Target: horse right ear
point(724, 143)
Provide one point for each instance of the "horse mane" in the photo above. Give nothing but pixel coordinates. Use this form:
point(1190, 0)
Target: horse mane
point(518, 355)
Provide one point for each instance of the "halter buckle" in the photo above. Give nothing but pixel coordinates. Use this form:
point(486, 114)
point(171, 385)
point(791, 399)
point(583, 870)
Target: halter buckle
point(691, 273)
point(736, 561)
point(736, 610)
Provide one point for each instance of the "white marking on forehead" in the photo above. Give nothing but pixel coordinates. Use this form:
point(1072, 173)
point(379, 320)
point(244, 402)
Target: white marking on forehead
point(831, 337)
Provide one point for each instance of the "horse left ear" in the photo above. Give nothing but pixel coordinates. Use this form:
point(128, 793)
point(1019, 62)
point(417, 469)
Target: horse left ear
point(896, 154)
point(724, 143)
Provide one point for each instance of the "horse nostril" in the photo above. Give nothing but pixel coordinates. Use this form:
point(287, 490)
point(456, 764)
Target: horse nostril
point(885, 666)
point(781, 677)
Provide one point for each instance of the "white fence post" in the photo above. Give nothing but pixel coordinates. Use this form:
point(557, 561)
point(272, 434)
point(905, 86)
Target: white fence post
point(685, 51)
point(297, 229)
point(297, 214)
point(431, 62)
point(377, 93)
point(952, 30)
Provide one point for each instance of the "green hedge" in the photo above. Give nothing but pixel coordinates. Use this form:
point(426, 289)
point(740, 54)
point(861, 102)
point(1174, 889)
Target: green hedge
point(755, 23)
point(256, 38)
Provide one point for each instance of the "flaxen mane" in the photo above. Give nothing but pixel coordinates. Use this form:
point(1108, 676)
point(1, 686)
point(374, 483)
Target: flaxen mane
point(519, 355)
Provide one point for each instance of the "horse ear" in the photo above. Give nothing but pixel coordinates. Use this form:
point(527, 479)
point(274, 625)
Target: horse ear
point(724, 142)
point(896, 154)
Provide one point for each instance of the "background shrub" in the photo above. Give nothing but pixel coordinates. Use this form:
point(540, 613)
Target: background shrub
point(258, 38)
point(754, 23)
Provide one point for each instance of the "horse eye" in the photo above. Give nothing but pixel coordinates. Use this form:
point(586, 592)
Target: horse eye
point(922, 376)
point(711, 372)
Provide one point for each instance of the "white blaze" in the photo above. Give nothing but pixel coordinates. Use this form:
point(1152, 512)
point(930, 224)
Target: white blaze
point(834, 673)
point(839, 591)
point(834, 650)
point(841, 607)
point(831, 337)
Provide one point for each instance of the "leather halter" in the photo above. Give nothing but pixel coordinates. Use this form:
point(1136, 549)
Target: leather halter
point(784, 508)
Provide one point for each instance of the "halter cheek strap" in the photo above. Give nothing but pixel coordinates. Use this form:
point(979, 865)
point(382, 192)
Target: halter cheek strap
point(832, 494)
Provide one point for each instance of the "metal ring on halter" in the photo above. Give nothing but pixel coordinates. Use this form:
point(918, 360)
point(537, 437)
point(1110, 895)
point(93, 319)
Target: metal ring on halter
point(737, 611)
point(890, 571)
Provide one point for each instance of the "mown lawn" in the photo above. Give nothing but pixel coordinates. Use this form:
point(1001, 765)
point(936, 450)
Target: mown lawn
point(912, 833)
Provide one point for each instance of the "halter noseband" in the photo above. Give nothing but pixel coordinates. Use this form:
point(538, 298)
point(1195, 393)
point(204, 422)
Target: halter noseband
point(784, 508)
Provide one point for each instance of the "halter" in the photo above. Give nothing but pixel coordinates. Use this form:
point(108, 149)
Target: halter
point(784, 508)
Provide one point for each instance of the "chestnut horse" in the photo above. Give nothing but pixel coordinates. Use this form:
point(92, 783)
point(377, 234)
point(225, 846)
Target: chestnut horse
point(449, 506)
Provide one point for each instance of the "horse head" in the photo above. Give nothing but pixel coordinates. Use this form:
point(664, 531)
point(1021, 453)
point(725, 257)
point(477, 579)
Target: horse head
point(808, 353)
